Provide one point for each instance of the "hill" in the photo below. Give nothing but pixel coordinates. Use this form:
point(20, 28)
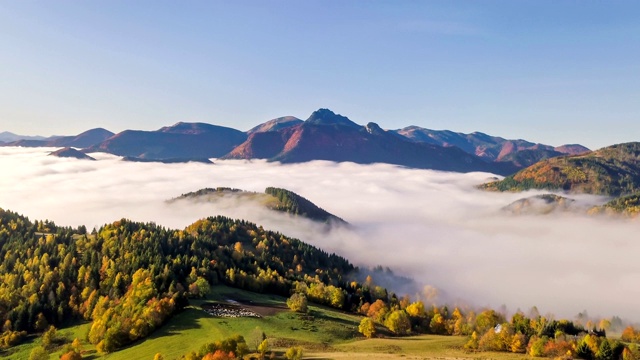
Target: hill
point(540, 205)
point(273, 198)
point(329, 136)
point(182, 140)
point(628, 205)
point(71, 153)
point(613, 170)
point(129, 278)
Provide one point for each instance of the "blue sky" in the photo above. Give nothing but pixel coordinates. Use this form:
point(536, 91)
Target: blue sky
point(548, 71)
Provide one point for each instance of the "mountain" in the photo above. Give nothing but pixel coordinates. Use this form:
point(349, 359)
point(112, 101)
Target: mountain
point(325, 135)
point(329, 136)
point(613, 170)
point(523, 158)
point(83, 140)
point(182, 140)
point(491, 148)
point(71, 153)
point(572, 149)
point(276, 199)
point(8, 137)
point(275, 124)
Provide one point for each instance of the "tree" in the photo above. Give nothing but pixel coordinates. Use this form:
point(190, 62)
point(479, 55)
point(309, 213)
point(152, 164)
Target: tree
point(537, 346)
point(518, 343)
point(367, 327)
point(487, 319)
point(49, 337)
point(39, 353)
point(297, 302)
point(583, 351)
point(416, 309)
point(71, 355)
point(263, 348)
point(76, 345)
point(199, 288)
point(605, 352)
point(294, 353)
point(256, 337)
point(473, 343)
point(629, 334)
point(437, 324)
point(398, 322)
point(378, 310)
point(41, 322)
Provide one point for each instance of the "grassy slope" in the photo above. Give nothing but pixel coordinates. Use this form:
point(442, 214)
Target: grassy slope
point(330, 335)
point(415, 347)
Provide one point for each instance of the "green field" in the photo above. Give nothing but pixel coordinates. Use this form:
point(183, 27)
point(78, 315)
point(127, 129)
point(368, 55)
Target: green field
point(323, 333)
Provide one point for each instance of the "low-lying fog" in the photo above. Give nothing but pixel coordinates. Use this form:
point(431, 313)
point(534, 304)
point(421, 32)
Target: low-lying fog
point(433, 226)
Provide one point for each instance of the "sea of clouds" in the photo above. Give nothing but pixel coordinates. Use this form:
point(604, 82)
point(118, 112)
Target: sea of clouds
point(435, 227)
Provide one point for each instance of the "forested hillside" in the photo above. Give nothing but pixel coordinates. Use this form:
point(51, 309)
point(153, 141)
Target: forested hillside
point(614, 170)
point(129, 278)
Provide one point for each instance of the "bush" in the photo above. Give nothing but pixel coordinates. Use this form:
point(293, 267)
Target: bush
point(297, 302)
point(294, 353)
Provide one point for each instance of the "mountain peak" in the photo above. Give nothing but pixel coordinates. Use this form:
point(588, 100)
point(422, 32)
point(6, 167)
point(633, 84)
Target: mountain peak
point(373, 128)
point(328, 117)
point(276, 124)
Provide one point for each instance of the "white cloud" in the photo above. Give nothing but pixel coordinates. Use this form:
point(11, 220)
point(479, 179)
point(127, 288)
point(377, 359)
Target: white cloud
point(433, 226)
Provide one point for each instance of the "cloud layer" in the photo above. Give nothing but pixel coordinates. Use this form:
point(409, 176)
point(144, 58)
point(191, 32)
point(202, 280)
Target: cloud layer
point(433, 226)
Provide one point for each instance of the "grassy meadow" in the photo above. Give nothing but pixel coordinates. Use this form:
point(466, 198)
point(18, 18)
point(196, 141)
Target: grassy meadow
point(323, 333)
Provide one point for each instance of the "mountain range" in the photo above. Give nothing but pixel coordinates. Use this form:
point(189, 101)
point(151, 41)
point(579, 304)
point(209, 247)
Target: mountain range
point(325, 135)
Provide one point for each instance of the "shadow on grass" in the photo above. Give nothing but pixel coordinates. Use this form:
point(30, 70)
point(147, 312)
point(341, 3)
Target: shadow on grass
point(320, 315)
point(183, 321)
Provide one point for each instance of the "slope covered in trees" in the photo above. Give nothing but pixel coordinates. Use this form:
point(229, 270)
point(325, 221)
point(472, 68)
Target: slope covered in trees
point(613, 170)
point(625, 205)
point(129, 278)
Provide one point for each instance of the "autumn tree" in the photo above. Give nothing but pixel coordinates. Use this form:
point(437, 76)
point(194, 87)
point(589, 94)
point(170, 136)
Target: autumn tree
point(378, 310)
point(72, 355)
point(367, 327)
point(398, 322)
point(264, 348)
point(39, 353)
point(297, 302)
point(294, 353)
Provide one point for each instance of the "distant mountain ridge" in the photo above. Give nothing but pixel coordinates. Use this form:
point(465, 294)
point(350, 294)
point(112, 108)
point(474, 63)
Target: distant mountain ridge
point(490, 148)
point(180, 141)
point(325, 135)
point(7, 137)
point(83, 140)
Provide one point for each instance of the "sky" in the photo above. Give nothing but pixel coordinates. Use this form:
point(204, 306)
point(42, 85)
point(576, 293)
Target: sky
point(435, 227)
point(553, 72)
